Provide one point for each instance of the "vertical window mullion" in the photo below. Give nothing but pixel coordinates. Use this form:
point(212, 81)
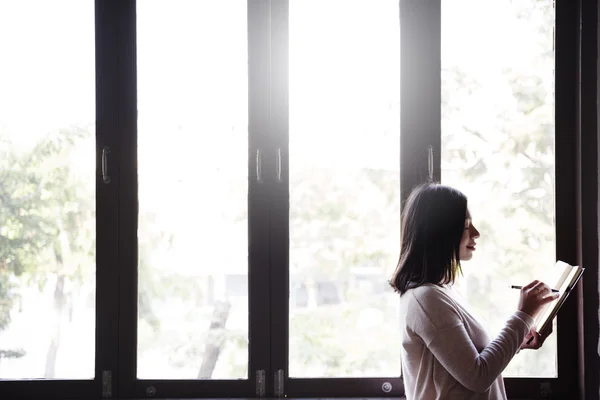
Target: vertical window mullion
point(125, 79)
point(420, 92)
point(107, 261)
point(568, 185)
point(589, 192)
point(260, 173)
point(278, 191)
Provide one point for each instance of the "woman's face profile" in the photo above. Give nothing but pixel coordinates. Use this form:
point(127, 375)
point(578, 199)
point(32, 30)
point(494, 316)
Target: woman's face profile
point(467, 242)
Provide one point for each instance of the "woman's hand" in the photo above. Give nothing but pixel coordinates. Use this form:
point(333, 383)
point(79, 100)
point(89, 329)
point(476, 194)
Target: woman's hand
point(534, 297)
point(537, 341)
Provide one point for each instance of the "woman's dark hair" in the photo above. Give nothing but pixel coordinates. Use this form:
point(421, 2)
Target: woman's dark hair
point(433, 221)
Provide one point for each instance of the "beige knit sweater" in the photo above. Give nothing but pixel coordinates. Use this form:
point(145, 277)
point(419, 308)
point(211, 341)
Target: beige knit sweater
point(447, 354)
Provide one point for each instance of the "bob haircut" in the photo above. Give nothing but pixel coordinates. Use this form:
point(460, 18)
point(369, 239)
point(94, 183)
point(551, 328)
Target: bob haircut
point(433, 222)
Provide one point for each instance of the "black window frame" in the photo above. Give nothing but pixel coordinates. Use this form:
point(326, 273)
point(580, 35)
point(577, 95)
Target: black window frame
point(577, 216)
point(107, 131)
point(421, 91)
point(420, 27)
point(259, 167)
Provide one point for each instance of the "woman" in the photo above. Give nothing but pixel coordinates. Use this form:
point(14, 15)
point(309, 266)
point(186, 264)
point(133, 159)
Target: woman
point(446, 352)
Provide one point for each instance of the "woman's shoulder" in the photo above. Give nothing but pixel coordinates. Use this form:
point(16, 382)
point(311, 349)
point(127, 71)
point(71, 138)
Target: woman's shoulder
point(430, 305)
point(430, 295)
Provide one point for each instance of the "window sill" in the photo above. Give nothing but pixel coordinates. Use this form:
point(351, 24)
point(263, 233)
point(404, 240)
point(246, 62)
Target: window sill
point(290, 398)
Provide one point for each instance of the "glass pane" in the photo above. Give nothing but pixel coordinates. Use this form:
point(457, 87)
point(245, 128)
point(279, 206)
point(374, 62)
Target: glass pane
point(47, 190)
point(498, 148)
point(344, 187)
point(193, 189)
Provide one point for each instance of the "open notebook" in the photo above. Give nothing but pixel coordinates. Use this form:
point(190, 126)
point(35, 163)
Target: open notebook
point(566, 277)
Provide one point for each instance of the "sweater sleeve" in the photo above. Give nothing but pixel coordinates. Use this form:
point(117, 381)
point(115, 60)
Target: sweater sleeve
point(443, 332)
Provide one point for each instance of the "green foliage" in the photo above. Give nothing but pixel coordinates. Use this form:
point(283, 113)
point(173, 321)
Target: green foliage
point(333, 341)
point(342, 220)
point(7, 296)
point(43, 208)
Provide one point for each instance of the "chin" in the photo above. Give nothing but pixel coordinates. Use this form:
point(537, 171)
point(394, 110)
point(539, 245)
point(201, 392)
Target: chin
point(466, 256)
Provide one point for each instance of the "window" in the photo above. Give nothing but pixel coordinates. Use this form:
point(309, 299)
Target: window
point(47, 191)
point(193, 191)
point(484, 150)
point(344, 181)
point(498, 147)
point(227, 226)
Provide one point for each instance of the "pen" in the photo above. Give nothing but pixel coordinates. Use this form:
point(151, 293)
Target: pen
point(521, 287)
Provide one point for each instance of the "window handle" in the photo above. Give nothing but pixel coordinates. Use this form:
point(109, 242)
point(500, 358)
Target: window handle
point(105, 177)
point(278, 164)
point(430, 162)
point(258, 166)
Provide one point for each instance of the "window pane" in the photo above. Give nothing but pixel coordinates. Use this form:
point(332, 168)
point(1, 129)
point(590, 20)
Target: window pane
point(344, 187)
point(47, 190)
point(193, 189)
point(498, 148)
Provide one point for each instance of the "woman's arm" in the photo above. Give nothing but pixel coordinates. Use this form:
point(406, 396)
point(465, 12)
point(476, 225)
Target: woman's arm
point(443, 332)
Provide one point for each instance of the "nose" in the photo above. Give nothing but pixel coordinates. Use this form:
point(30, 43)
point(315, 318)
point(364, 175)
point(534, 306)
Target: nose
point(474, 233)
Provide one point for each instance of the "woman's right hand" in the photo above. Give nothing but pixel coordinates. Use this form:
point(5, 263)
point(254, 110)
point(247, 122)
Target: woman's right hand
point(534, 297)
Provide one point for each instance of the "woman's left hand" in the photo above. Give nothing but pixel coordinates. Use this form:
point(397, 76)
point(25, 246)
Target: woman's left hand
point(538, 339)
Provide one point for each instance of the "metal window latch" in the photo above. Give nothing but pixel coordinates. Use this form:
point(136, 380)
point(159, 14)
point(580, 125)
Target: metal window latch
point(106, 384)
point(278, 388)
point(278, 164)
point(258, 166)
point(260, 383)
point(430, 163)
point(105, 176)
